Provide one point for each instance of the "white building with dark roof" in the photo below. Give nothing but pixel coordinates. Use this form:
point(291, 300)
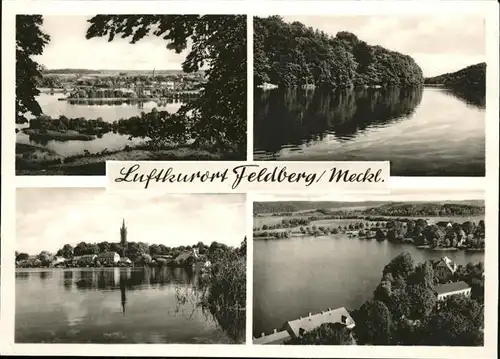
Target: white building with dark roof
point(298, 327)
point(444, 291)
point(274, 338)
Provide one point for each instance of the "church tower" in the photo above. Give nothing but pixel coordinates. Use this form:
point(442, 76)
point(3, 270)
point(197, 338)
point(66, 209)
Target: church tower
point(123, 238)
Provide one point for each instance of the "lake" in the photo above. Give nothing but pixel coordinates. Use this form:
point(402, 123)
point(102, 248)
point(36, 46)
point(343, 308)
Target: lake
point(111, 305)
point(409, 127)
point(54, 108)
point(293, 277)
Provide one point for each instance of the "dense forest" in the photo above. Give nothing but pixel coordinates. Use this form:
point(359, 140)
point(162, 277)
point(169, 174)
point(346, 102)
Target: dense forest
point(291, 54)
point(425, 209)
point(377, 208)
point(471, 77)
point(295, 206)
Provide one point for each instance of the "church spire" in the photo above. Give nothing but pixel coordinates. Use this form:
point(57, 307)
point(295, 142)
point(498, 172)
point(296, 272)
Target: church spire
point(123, 238)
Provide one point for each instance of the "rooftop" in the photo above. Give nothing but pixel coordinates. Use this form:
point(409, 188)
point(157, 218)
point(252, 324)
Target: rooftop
point(451, 287)
point(315, 320)
point(274, 338)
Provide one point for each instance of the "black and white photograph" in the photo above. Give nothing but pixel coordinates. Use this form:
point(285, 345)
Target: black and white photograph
point(409, 89)
point(99, 268)
point(399, 269)
point(128, 87)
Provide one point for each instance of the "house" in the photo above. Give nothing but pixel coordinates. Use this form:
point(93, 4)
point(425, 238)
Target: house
point(58, 260)
point(187, 258)
point(125, 260)
point(86, 259)
point(275, 338)
point(297, 328)
point(108, 258)
point(444, 224)
point(444, 291)
point(445, 268)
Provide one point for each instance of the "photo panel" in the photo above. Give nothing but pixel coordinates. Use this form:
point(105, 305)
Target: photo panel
point(406, 88)
point(153, 87)
point(396, 269)
point(131, 269)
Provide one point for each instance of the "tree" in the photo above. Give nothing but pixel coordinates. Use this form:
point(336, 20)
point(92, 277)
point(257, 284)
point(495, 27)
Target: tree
point(104, 247)
point(459, 322)
point(80, 249)
point(422, 300)
point(66, 251)
point(22, 256)
point(327, 334)
point(30, 40)
point(377, 324)
point(219, 41)
point(402, 265)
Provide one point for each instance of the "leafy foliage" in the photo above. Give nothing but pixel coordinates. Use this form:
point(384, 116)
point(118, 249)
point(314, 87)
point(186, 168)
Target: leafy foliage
point(30, 40)
point(291, 54)
point(404, 308)
point(219, 42)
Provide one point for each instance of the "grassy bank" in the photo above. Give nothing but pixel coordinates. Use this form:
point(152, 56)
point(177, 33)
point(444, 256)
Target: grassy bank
point(38, 160)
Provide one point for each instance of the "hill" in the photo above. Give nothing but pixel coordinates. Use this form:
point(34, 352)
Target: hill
point(466, 208)
point(291, 54)
point(296, 206)
point(473, 77)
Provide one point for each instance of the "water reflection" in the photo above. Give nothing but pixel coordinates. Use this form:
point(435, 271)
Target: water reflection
point(129, 305)
point(138, 278)
point(470, 97)
point(293, 117)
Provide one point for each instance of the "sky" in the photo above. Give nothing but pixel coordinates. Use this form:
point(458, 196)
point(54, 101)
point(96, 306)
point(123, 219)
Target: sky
point(68, 48)
point(48, 218)
point(439, 44)
point(396, 195)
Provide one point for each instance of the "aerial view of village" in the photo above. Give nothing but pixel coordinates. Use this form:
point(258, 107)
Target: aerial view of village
point(168, 272)
point(397, 270)
point(85, 92)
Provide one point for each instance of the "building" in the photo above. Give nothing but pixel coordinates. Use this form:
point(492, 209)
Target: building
point(297, 328)
point(125, 260)
point(444, 291)
point(188, 257)
point(444, 224)
point(108, 258)
point(275, 338)
point(123, 237)
point(86, 259)
point(445, 268)
point(58, 260)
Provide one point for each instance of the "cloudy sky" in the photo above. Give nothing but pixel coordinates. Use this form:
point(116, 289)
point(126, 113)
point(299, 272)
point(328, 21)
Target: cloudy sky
point(439, 44)
point(397, 195)
point(48, 218)
point(68, 48)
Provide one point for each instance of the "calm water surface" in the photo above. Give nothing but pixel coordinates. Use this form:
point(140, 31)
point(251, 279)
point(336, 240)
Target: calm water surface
point(108, 112)
point(422, 131)
point(111, 305)
point(293, 277)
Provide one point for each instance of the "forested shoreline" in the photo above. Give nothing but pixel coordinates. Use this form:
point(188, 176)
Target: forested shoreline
point(471, 77)
point(289, 208)
point(291, 54)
